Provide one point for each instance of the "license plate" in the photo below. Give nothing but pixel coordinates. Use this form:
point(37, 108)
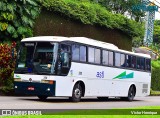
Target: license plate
point(31, 88)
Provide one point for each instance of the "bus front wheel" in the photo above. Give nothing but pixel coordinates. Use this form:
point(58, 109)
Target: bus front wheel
point(42, 97)
point(76, 93)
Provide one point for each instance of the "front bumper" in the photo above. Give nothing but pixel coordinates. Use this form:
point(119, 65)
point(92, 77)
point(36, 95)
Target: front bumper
point(31, 88)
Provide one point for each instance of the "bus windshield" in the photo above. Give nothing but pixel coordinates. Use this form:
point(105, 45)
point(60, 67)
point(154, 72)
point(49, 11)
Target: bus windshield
point(37, 57)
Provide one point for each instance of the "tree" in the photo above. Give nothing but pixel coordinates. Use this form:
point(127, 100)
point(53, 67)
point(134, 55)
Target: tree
point(7, 62)
point(156, 35)
point(123, 7)
point(137, 41)
point(17, 18)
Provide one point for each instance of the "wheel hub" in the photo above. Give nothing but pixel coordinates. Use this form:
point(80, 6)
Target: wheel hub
point(77, 93)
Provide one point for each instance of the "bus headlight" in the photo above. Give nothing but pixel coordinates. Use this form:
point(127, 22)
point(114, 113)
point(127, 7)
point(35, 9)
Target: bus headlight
point(17, 79)
point(47, 81)
point(48, 89)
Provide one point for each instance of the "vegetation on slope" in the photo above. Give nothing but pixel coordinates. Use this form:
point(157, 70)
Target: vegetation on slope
point(94, 14)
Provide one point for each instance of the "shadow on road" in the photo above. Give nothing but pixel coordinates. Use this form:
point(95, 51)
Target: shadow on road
point(64, 100)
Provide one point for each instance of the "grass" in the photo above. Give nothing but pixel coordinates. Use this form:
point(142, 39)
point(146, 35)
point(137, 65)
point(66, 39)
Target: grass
point(96, 113)
point(155, 93)
point(88, 116)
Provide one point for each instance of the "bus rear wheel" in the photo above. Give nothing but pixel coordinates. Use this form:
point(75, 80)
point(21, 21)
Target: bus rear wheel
point(131, 94)
point(42, 97)
point(76, 94)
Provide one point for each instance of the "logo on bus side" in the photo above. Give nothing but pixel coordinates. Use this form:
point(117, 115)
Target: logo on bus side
point(123, 75)
point(17, 76)
point(100, 74)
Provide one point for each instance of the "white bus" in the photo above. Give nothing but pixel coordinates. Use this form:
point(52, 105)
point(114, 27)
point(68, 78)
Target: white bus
point(77, 67)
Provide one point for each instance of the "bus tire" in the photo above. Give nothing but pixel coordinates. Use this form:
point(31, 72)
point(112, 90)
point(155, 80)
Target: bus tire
point(76, 93)
point(42, 97)
point(103, 98)
point(131, 94)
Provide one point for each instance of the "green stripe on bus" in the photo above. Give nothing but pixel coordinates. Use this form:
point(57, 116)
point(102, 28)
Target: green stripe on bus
point(123, 75)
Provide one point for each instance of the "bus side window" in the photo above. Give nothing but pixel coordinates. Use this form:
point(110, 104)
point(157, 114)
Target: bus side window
point(142, 63)
point(91, 55)
point(105, 57)
point(75, 52)
point(133, 61)
point(117, 59)
point(128, 61)
point(83, 53)
point(110, 58)
point(122, 60)
point(148, 65)
point(97, 56)
point(138, 62)
point(65, 59)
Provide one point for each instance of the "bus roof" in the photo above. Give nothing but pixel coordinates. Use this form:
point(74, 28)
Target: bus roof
point(82, 40)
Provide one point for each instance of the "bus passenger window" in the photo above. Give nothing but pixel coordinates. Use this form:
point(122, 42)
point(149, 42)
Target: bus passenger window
point(122, 60)
point(117, 59)
point(65, 59)
point(133, 61)
point(128, 61)
point(75, 52)
point(148, 65)
point(105, 57)
point(110, 58)
point(97, 56)
point(83, 53)
point(138, 63)
point(91, 55)
point(142, 63)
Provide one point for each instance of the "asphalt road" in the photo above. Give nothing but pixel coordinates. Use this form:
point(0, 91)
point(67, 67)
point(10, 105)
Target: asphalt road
point(10, 102)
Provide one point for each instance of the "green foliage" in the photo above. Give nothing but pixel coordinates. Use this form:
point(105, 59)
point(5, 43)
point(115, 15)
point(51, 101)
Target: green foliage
point(156, 35)
point(154, 93)
point(8, 85)
point(122, 7)
point(155, 80)
point(137, 41)
point(155, 48)
point(7, 63)
point(156, 64)
point(94, 14)
point(17, 18)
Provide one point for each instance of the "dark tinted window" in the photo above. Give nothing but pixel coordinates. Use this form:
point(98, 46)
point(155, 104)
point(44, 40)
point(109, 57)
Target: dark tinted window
point(133, 61)
point(142, 60)
point(138, 62)
point(148, 65)
point(128, 61)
